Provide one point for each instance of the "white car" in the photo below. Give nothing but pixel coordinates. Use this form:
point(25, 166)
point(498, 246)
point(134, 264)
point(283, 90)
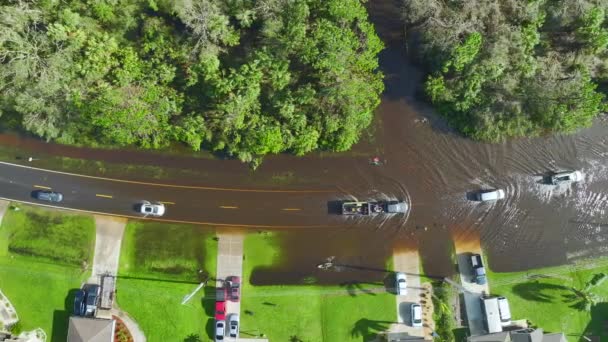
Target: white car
point(233, 325)
point(400, 284)
point(220, 330)
point(490, 195)
point(566, 177)
point(416, 315)
point(154, 209)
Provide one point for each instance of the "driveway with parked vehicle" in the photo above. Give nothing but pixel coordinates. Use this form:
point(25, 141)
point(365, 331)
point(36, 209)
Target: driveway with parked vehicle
point(473, 280)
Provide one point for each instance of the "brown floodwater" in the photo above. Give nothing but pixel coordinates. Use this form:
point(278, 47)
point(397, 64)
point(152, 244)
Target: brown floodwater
point(427, 164)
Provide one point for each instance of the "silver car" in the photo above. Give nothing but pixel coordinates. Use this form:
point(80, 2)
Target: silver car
point(220, 330)
point(400, 284)
point(416, 315)
point(153, 209)
point(566, 177)
point(233, 325)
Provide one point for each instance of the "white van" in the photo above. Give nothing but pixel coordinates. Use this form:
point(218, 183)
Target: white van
point(505, 312)
point(490, 195)
point(416, 315)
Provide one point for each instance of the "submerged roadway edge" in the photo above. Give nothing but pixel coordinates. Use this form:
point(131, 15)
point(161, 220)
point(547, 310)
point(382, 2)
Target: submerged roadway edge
point(164, 184)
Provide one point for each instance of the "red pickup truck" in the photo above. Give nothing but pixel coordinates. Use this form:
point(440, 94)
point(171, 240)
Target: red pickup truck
point(220, 304)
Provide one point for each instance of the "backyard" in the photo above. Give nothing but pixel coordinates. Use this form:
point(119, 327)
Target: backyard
point(159, 265)
point(545, 297)
point(29, 257)
point(309, 312)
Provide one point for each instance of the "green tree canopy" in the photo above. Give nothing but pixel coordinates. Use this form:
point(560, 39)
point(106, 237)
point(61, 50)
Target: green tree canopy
point(502, 68)
point(247, 78)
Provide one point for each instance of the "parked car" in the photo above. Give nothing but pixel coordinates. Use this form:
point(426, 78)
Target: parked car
point(479, 271)
point(220, 330)
point(49, 196)
point(221, 294)
point(92, 292)
point(233, 325)
point(400, 284)
point(80, 303)
point(416, 315)
point(490, 195)
point(565, 177)
point(233, 285)
point(220, 310)
point(505, 311)
point(152, 208)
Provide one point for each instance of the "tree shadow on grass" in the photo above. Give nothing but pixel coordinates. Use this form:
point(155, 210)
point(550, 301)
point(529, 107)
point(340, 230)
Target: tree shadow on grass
point(368, 329)
point(61, 317)
point(539, 292)
point(210, 329)
point(355, 288)
point(193, 338)
point(597, 328)
point(208, 300)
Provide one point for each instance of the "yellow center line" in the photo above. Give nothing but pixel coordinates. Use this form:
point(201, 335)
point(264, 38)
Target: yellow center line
point(228, 207)
point(42, 187)
point(291, 209)
point(104, 196)
point(166, 202)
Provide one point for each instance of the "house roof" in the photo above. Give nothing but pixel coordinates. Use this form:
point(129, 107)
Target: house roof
point(523, 335)
point(527, 335)
point(555, 337)
point(495, 337)
point(90, 330)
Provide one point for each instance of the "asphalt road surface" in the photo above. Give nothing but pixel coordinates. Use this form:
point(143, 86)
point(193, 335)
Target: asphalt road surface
point(189, 204)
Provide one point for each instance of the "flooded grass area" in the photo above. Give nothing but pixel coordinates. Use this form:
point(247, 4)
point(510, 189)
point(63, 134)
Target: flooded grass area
point(159, 265)
point(359, 255)
point(545, 297)
point(177, 251)
point(42, 254)
point(351, 311)
point(51, 235)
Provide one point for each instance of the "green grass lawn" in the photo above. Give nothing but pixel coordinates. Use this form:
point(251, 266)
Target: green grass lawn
point(41, 265)
point(159, 265)
point(308, 312)
point(541, 296)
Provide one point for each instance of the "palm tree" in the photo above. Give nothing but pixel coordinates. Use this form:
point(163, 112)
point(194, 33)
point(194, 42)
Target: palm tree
point(583, 299)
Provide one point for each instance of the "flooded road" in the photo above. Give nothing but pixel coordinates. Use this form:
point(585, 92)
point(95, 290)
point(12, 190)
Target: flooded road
point(427, 164)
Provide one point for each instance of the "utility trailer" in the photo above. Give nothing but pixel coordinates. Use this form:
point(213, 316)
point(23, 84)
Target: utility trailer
point(374, 208)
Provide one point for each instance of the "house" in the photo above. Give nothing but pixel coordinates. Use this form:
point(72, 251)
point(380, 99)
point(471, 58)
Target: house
point(521, 335)
point(83, 329)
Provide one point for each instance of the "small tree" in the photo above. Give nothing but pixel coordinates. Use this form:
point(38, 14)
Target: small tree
point(583, 299)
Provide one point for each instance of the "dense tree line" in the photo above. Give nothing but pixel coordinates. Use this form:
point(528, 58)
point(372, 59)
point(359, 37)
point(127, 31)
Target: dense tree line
point(501, 68)
point(242, 77)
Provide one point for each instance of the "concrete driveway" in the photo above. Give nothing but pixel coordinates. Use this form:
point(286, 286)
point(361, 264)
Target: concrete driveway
point(108, 239)
point(408, 262)
point(230, 263)
point(472, 291)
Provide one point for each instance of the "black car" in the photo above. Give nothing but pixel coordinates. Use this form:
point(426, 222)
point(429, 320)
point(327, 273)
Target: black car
point(93, 292)
point(80, 303)
point(49, 196)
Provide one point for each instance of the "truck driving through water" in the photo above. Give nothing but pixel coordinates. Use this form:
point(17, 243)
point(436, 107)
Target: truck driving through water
point(374, 208)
